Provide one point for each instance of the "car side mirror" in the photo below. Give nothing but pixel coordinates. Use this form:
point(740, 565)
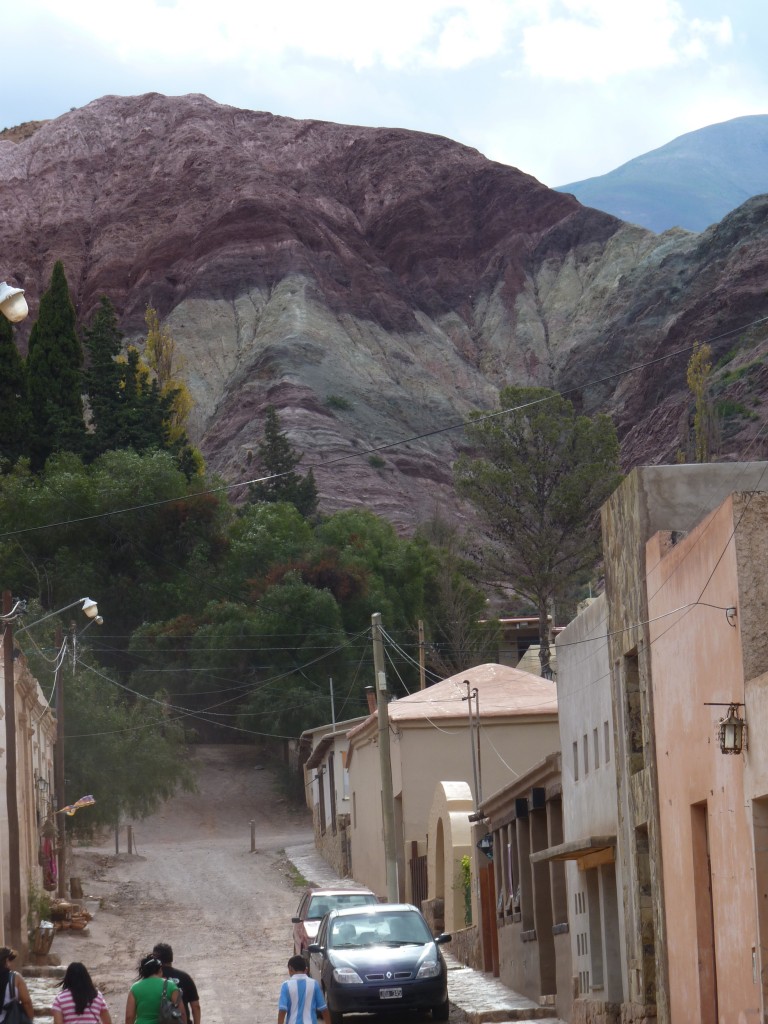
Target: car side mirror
point(314, 947)
point(442, 939)
point(295, 920)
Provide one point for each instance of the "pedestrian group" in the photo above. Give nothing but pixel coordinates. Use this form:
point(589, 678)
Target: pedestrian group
point(162, 994)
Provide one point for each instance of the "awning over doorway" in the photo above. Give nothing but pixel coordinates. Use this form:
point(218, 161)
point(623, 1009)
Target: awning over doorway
point(589, 852)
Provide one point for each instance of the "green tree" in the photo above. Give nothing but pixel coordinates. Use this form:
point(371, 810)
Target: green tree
point(140, 564)
point(303, 645)
point(262, 536)
point(392, 569)
point(278, 460)
point(459, 631)
point(14, 410)
point(129, 755)
point(103, 378)
point(54, 374)
point(540, 475)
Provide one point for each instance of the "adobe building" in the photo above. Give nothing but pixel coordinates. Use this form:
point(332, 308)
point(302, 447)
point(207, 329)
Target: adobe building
point(687, 955)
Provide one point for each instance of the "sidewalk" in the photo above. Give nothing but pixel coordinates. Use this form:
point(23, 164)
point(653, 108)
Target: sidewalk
point(480, 997)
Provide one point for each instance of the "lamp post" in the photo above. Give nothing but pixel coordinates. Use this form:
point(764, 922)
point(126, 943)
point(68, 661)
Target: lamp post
point(91, 611)
point(13, 305)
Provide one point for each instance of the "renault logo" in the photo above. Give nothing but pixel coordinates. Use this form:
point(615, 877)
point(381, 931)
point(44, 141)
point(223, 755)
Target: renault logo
point(389, 974)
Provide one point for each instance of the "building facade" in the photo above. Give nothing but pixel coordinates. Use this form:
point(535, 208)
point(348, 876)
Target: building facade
point(673, 501)
point(35, 734)
point(431, 741)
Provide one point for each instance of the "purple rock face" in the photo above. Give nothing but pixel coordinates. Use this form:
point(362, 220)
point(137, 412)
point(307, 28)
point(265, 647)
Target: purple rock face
point(373, 284)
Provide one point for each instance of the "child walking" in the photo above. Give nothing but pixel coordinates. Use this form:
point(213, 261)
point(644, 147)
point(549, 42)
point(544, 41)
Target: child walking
point(301, 998)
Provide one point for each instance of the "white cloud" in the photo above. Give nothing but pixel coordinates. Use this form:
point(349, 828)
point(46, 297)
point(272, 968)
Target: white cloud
point(400, 34)
point(597, 40)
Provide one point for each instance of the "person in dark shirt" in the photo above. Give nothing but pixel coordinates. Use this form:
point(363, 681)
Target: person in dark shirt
point(164, 954)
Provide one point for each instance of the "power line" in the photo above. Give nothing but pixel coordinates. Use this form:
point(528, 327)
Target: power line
point(458, 425)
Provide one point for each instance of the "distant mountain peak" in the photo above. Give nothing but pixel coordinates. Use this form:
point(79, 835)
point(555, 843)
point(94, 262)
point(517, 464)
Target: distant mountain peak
point(691, 182)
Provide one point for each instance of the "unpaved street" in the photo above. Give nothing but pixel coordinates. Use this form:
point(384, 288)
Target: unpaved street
point(195, 883)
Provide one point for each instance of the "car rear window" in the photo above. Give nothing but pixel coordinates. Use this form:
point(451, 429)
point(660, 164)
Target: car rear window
point(320, 905)
point(404, 926)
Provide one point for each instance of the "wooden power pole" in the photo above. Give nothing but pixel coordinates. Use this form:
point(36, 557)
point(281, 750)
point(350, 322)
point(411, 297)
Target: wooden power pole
point(385, 761)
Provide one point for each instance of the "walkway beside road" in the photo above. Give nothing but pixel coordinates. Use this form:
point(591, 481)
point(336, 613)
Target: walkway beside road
point(481, 997)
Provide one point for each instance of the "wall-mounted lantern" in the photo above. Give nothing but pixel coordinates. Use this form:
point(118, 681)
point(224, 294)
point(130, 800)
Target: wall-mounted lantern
point(732, 731)
point(486, 845)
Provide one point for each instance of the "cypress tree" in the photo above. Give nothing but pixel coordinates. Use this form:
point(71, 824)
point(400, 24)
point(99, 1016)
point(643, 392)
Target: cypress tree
point(54, 375)
point(278, 458)
point(14, 411)
point(104, 378)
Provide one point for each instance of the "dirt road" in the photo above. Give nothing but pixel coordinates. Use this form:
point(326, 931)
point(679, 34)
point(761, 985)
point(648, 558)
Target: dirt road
point(195, 884)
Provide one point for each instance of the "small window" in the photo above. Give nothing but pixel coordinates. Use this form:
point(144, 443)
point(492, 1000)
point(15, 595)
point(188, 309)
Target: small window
point(585, 748)
point(575, 761)
point(354, 810)
point(607, 742)
point(596, 745)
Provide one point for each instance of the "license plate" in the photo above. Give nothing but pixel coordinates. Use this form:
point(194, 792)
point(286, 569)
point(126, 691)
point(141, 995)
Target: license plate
point(390, 993)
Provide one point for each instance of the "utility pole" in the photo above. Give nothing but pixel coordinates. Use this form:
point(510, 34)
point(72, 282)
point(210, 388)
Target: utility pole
point(422, 666)
point(385, 760)
point(333, 706)
point(477, 737)
point(11, 776)
point(59, 769)
point(470, 694)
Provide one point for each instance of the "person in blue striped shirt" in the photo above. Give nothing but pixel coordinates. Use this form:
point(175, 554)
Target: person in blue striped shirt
point(301, 998)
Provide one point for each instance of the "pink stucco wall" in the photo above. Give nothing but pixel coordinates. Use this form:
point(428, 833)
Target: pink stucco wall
point(696, 658)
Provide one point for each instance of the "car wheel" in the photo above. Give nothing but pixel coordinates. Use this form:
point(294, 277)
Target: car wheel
point(440, 1012)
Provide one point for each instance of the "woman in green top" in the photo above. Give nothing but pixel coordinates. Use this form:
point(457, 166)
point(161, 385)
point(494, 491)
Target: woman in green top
point(143, 1006)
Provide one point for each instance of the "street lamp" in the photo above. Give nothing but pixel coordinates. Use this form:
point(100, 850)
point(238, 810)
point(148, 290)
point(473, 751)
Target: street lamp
point(13, 305)
point(91, 611)
point(732, 731)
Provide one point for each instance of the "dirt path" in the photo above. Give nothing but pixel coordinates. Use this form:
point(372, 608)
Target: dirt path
point(195, 884)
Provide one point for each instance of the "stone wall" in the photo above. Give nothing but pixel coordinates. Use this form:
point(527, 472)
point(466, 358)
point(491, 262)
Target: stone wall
point(334, 846)
point(466, 947)
point(434, 912)
point(593, 1011)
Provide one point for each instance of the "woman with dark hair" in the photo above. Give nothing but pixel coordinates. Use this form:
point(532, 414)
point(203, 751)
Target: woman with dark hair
point(12, 985)
point(143, 1006)
point(79, 1001)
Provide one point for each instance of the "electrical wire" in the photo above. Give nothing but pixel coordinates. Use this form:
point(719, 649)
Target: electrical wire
point(458, 425)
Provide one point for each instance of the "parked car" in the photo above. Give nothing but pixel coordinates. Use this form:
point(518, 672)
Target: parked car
point(315, 904)
point(379, 958)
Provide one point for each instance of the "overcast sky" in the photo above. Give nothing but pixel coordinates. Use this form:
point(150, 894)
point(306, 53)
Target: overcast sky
point(563, 89)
